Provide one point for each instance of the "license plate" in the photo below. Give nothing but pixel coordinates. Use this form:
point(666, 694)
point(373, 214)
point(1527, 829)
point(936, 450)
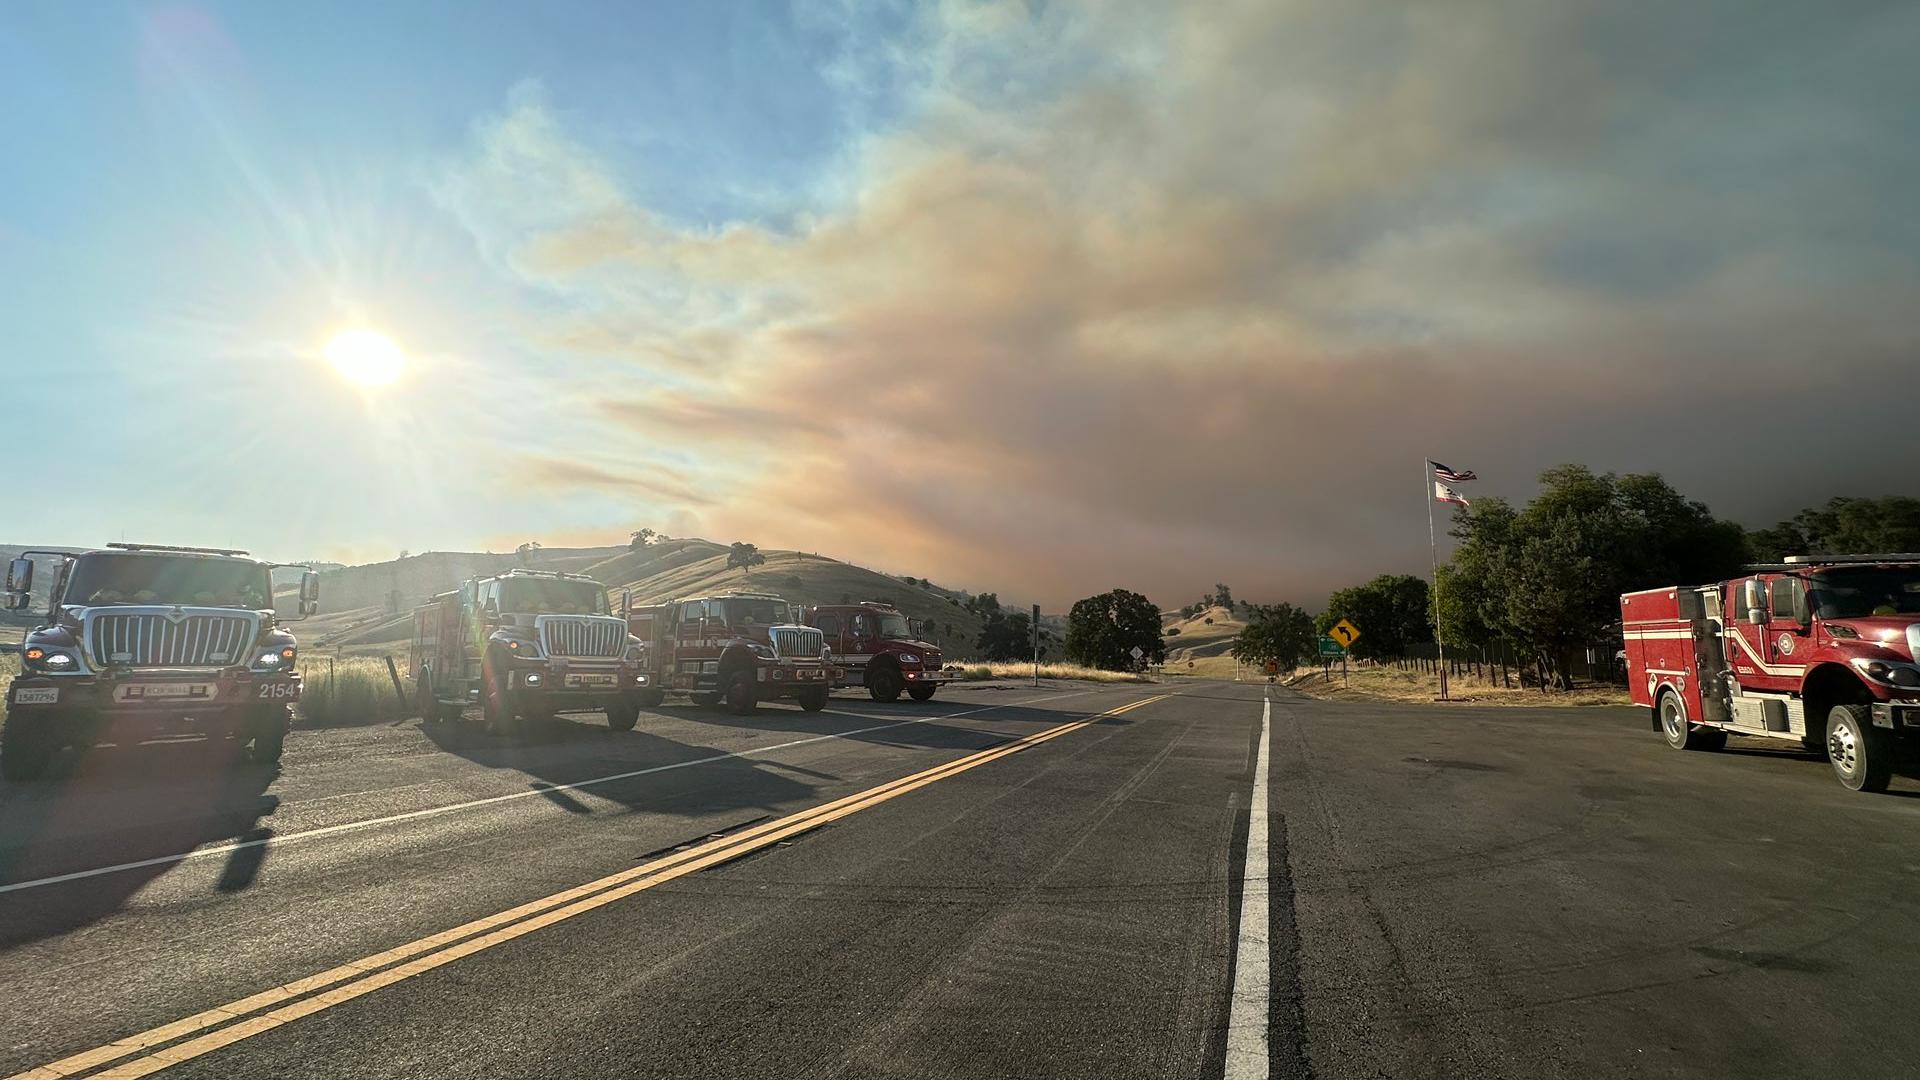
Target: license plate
point(177, 691)
point(590, 680)
point(36, 695)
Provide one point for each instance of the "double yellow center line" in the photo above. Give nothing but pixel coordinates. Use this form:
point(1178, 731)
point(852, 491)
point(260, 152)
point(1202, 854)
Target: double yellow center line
point(224, 1025)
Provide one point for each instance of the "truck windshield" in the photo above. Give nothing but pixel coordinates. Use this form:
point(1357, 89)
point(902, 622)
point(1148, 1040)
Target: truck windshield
point(130, 578)
point(1858, 592)
point(895, 628)
point(757, 613)
point(552, 596)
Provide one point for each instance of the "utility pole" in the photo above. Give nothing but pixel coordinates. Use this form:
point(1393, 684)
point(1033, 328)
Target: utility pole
point(1036, 646)
point(1433, 550)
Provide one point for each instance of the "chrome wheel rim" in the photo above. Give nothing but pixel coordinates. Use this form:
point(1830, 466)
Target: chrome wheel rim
point(1671, 720)
point(1843, 747)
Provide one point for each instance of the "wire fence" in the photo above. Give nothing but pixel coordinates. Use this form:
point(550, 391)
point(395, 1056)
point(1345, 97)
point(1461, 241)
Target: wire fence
point(1500, 663)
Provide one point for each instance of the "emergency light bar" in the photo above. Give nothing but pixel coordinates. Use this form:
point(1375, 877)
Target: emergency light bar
point(1821, 560)
point(181, 550)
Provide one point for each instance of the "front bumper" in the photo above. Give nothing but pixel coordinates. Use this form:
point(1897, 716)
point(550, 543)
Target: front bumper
point(774, 679)
point(1898, 715)
point(933, 677)
point(578, 686)
point(163, 696)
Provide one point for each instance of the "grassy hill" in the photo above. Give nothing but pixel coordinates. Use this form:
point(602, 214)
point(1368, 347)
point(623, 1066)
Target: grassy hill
point(355, 616)
point(1202, 643)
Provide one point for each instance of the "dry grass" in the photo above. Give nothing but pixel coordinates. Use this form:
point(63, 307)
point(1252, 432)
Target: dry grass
point(1367, 683)
point(1017, 670)
point(347, 691)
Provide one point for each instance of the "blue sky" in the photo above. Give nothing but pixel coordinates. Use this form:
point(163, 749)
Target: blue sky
point(1159, 290)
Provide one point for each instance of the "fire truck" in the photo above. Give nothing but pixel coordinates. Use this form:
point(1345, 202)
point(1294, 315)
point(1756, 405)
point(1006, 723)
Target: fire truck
point(739, 649)
point(1818, 651)
point(526, 645)
point(143, 640)
point(878, 649)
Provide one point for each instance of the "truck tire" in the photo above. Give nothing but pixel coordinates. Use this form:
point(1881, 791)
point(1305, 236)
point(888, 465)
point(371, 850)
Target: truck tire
point(884, 684)
point(652, 699)
point(813, 700)
point(1861, 754)
point(921, 693)
point(269, 729)
point(423, 700)
point(623, 715)
point(496, 709)
point(1681, 735)
point(741, 696)
point(26, 750)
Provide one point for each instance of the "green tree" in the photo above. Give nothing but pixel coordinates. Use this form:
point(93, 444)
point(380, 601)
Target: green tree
point(1223, 596)
point(1844, 526)
point(1549, 577)
point(527, 551)
point(746, 557)
point(1103, 630)
point(1006, 636)
point(641, 538)
point(1390, 611)
point(1280, 632)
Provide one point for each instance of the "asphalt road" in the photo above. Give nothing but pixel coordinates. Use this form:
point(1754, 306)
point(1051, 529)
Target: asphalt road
point(1005, 882)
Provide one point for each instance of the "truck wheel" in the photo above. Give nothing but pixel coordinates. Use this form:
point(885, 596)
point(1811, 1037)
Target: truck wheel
point(423, 702)
point(622, 715)
point(26, 750)
point(921, 693)
point(739, 690)
point(813, 700)
point(269, 727)
point(652, 699)
point(496, 711)
point(1674, 727)
point(1861, 754)
point(885, 684)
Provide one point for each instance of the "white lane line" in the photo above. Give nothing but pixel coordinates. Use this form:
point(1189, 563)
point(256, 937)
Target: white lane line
point(1247, 1021)
point(352, 826)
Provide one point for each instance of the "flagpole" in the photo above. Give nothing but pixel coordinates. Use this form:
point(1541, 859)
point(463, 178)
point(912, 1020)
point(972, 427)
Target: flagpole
point(1433, 551)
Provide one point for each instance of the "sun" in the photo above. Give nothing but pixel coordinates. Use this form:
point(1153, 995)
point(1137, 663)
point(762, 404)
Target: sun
point(366, 357)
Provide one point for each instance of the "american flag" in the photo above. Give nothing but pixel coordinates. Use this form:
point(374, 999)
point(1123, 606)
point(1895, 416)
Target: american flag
point(1452, 476)
point(1445, 494)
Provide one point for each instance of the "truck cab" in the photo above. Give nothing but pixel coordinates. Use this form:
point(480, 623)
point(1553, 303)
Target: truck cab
point(741, 648)
point(524, 646)
point(1819, 650)
point(879, 649)
point(144, 639)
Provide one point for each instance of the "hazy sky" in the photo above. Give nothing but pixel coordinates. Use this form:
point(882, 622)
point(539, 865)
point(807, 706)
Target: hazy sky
point(1040, 297)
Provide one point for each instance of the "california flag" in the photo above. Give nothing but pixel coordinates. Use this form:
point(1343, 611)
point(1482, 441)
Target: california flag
point(1443, 493)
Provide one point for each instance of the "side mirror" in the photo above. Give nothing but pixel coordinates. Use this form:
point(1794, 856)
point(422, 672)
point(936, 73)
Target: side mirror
point(19, 584)
point(309, 593)
point(1753, 600)
point(626, 603)
point(490, 611)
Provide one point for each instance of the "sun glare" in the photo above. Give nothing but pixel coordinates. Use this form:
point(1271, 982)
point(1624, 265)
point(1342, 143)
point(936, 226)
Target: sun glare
point(366, 357)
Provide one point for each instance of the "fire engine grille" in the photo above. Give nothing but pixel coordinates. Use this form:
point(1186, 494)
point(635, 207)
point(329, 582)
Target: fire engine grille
point(595, 638)
point(802, 642)
point(136, 640)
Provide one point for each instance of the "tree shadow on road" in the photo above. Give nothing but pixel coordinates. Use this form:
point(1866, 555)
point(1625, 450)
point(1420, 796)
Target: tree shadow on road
point(142, 804)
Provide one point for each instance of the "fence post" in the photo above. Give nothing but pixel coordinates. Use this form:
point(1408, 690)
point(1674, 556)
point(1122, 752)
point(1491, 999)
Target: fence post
point(394, 674)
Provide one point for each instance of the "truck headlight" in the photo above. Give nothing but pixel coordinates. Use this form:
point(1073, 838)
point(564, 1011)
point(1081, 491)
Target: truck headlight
point(909, 658)
point(763, 652)
point(1901, 675)
point(1904, 676)
point(274, 659)
point(51, 661)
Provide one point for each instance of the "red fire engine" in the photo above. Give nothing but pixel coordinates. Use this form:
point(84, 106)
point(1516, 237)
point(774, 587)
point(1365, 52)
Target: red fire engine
point(1818, 650)
point(880, 650)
